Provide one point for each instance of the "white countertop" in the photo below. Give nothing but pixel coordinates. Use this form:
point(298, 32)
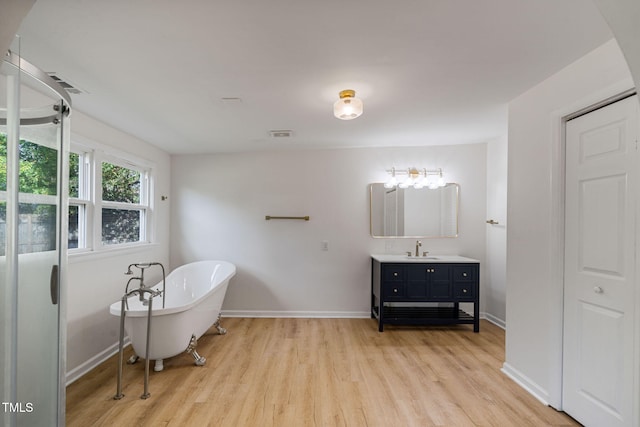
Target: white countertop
point(429, 259)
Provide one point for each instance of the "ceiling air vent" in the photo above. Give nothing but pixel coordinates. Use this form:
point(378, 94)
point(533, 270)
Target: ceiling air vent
point(280, 133)
point(68, 86)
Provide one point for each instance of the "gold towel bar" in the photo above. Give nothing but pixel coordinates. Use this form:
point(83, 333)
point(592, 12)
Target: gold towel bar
point(268, 217)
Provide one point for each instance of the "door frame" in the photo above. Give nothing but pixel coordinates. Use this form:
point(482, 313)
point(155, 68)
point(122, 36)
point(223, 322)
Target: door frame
point(559, 119)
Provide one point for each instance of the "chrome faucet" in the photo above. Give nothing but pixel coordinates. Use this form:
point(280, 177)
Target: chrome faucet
point(143, 288)
point(418, 244)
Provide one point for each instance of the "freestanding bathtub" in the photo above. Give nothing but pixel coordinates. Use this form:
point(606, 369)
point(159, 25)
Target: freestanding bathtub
point(193, 299)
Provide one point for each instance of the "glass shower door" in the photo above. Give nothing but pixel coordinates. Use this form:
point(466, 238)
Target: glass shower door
point(32, 248)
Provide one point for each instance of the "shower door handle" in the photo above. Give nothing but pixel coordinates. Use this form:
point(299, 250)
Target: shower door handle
point(53, 284)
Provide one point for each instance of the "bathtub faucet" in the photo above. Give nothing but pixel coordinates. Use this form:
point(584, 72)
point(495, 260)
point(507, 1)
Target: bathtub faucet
point(143, 266)
point(141, 287)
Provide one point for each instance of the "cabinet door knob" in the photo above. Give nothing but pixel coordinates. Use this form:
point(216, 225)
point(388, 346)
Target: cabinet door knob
point(395, 290)
point(395, 274)
point(464, 291)
point(464, 274)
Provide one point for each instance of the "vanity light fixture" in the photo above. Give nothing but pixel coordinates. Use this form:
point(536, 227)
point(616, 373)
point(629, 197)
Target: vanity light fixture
point(413, 179)
point(348, 107)
point(416, 178)
point(391, 182)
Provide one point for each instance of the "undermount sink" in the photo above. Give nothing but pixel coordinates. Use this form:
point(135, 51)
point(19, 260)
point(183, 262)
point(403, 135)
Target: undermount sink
point(421, 257)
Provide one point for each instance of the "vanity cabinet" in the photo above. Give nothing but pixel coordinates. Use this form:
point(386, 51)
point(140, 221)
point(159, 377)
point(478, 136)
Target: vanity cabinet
point(423, 291)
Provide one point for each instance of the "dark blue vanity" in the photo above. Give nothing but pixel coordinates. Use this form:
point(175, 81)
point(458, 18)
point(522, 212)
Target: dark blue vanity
point(424, 290)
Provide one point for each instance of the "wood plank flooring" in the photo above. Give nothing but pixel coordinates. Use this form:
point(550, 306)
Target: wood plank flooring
point(319, 372)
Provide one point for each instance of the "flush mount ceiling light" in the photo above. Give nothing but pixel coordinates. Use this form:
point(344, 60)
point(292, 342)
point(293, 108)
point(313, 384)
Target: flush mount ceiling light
point(348, 107)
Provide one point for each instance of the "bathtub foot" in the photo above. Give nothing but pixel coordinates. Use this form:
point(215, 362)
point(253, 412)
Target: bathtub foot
point(133, 359)
point(191, 349)
point(199, 360)
point(220, 329)
point(159, 366)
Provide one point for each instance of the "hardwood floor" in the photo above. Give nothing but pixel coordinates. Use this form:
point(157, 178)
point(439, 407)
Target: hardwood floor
point(319, 372)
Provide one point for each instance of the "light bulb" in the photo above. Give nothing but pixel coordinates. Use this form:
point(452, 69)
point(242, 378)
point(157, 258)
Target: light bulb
point(392, 182)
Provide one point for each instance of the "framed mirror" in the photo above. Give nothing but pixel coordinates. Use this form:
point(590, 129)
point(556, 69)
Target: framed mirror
point(410, 212)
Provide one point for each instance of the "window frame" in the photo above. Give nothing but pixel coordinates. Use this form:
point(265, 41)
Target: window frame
point(90, 180)
point(84, 200)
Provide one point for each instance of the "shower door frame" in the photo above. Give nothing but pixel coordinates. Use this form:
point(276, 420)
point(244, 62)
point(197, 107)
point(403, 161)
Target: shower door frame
point(58, 115)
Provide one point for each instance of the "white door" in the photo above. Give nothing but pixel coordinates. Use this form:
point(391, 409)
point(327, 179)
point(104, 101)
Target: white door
point(600, 269)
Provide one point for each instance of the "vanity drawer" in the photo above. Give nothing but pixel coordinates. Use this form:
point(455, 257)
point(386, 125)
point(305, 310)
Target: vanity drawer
point(464, 291)
point(392, 291)
point(393, 273)
point(465, 273)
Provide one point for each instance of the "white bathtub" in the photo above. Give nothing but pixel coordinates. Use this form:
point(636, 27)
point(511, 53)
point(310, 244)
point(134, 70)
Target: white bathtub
point(194, 296)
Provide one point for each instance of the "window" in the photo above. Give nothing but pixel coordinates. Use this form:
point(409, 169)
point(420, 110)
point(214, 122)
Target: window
point(109, 204)
point(38, 187)
point(109, 200)
point(124, 204)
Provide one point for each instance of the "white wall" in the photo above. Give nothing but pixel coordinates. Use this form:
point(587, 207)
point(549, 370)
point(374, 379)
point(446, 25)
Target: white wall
point(96, 281)
point(534, 234)
point(220, 202)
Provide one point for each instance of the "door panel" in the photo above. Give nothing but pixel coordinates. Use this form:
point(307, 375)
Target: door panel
point(601, 206)
point(601, 346)
point(600, 235)
point(38, 363)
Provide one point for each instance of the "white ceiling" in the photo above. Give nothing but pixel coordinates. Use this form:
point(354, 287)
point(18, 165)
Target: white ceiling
point(428, 71)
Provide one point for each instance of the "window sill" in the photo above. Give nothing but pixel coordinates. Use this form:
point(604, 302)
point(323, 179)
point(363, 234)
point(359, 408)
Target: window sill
point(82, 255)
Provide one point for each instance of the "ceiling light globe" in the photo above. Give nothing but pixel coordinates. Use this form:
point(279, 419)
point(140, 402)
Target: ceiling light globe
point(348, 107)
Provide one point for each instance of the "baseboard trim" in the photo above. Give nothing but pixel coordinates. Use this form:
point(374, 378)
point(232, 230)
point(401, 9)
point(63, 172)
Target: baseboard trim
point(495, 320)
point(77, 372)
point(298, 314)
point(525, 382)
